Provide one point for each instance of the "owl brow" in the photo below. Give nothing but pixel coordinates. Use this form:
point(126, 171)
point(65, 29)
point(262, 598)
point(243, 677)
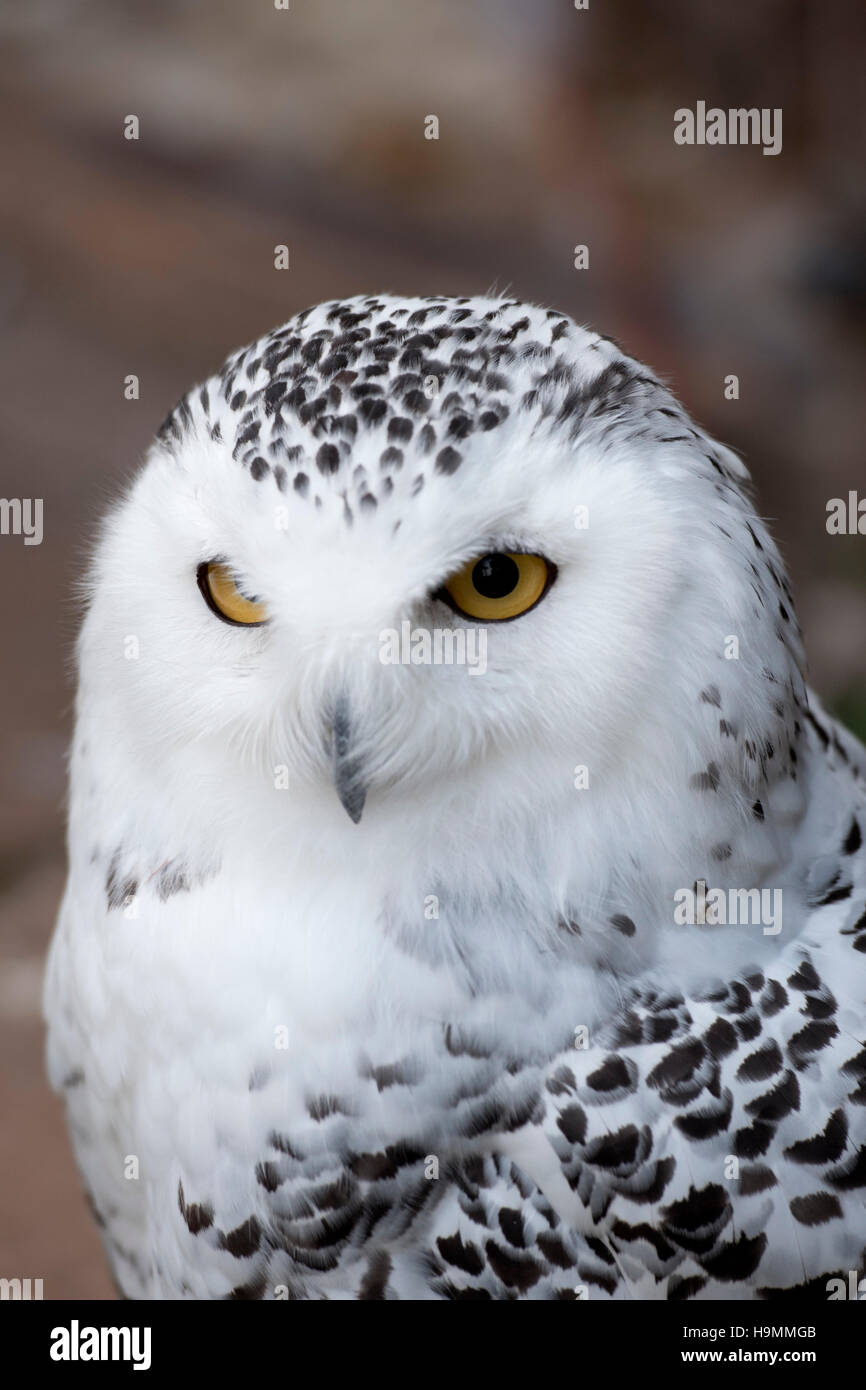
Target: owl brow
point(508, 543)
point(490, 545)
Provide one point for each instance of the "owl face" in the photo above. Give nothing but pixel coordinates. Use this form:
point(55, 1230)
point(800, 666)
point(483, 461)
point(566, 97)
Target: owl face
point(402, 549)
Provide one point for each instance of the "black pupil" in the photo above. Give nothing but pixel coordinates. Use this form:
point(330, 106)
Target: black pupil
point(495, 575)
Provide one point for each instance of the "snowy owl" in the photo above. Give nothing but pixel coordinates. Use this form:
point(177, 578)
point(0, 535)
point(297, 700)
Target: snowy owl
point(467, 897)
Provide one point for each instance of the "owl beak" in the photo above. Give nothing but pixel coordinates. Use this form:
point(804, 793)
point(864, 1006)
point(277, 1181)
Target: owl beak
point(345, 765)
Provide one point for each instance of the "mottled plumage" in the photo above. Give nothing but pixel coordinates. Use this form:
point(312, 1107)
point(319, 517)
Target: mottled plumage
point(456, 1044)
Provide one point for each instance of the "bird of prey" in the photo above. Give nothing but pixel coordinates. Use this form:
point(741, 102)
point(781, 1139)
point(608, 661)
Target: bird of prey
point(467, 895)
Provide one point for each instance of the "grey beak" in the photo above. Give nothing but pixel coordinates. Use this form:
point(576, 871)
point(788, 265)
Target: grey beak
point(346, 769)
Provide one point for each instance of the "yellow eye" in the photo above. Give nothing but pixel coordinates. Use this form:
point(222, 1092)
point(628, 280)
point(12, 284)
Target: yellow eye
point(499, 586)
point(223, 597)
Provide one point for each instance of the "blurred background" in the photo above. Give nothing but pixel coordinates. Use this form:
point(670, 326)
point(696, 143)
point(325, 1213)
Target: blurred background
point(305, 127)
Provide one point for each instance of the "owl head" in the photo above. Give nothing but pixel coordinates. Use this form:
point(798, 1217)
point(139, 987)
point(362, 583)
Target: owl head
point(450, 571)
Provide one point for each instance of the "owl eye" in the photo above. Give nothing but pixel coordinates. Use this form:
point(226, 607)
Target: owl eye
point(498, 586)
point(223, 597)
